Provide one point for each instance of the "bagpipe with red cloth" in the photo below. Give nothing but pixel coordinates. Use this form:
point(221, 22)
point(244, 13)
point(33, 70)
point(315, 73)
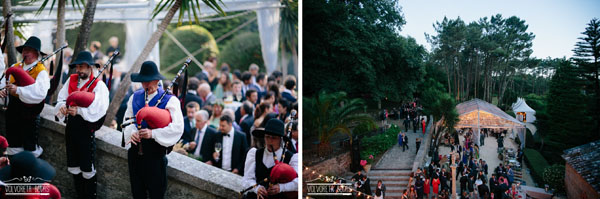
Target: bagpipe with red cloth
point(153, 116)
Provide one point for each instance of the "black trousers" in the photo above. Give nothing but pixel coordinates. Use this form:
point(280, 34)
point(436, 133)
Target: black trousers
point(21, 125)
point(147, 174)
point(81, 144)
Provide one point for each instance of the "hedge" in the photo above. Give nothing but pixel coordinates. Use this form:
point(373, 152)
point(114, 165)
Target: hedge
point(241, 51)
point(536, 163)
point(378, 144)
point(192, 37)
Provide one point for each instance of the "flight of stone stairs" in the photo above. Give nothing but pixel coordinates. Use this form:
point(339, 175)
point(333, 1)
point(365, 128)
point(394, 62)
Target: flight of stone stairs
point(395, 181)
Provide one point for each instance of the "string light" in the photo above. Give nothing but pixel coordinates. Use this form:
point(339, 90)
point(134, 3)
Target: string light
point(341, 185)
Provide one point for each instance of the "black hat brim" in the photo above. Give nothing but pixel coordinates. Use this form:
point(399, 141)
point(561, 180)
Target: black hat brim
point(260, 133)
point(42, 170)
point(83, 62)
point(20, 49)
point(136, 77)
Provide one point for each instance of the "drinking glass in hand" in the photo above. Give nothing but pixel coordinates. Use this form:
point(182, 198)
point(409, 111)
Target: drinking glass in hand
point(218, 148)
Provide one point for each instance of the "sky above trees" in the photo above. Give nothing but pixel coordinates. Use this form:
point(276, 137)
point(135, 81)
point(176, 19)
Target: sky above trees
point(556, 24)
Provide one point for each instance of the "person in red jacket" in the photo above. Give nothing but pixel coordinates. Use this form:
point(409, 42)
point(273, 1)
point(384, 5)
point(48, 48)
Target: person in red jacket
point(423, 124)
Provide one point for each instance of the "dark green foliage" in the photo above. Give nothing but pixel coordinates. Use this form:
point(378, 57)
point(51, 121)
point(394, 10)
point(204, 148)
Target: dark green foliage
point(555, 177)
point(537, 164)
point(469, 53)
point(192, 37)
point(241, 51)
point(332, 113)
point(568, 125)
point(222, 27)
point(587, 58)
point(191, 7)
point(101, 31)
point(378, 144)
point(354, 46)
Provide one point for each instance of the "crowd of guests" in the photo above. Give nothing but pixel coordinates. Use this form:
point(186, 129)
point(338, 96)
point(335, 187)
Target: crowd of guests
point(362, 183)
point(410, 114)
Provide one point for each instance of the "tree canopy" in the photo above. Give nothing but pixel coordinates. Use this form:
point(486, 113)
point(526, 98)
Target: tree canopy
point(355, 46)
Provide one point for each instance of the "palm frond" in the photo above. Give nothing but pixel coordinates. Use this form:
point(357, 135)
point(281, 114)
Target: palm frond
point(74, 3)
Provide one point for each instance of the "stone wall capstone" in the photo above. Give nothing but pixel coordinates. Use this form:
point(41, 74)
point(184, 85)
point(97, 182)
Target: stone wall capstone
point(187, 178)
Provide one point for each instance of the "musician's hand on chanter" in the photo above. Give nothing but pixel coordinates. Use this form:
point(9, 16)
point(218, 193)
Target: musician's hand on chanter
point(12, 89)
point(145, 133)
point(135, 138)
point(262, 192)
point(63, 110)
point(72, 110)
point(273, 189)
point(2, 93)
point(236, 171)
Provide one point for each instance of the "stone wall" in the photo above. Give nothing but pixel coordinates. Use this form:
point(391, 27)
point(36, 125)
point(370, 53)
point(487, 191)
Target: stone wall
point(337, 166)
point(421, 157)
point(577, 186)
point(187, 178)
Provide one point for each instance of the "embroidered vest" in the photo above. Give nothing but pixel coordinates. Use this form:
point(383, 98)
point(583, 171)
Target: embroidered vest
point(150, 147)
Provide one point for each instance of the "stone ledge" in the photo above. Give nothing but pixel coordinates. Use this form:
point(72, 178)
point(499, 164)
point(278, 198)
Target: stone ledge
point(186, 176)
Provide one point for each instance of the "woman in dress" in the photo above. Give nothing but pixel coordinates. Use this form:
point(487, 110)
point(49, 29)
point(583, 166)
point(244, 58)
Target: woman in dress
point(436, 186)
point(379, 190)
point(426, 186)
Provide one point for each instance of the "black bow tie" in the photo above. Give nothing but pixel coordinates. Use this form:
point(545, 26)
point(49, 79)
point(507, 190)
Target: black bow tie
point(226, 134)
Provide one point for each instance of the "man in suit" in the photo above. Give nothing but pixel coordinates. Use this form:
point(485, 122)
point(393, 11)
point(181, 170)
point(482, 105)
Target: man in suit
point(247, 120)
point(200, 137)
point(189, 122)
point(248, 85)
point(208, 99)
point(290, 84)
point(252, 97)
point(192, 94)
point(233, 147)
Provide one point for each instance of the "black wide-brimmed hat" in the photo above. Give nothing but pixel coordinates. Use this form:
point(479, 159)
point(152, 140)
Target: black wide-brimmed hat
point(32, 42)
point(274, 127)
point(25, 164)
point(148, 72)
point(84, 57)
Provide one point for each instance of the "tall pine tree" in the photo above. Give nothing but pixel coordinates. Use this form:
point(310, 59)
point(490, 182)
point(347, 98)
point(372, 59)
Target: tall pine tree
point(569, 125)
point(587, 56)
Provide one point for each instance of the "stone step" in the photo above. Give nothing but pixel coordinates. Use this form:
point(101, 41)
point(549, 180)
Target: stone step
point(391, 183)
point(392, 189)
point(387, 179)
point(393, 195)
point(404, 172)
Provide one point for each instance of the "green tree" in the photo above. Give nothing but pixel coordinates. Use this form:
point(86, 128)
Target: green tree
point(568, 123)
point(555, 177)
point(192, 37)
point(241, 51)
point(333, 113)
point(355, 46)
point(587, 56)
point(187, 6)
point(482, 59)
point(288, 33)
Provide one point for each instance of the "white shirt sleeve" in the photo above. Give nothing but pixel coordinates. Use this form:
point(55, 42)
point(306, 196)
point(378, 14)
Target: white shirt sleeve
point(293, 185)
point(62, 98)
point(249, 178)
point(169, 135)
point(128, 113)
point(35, 93)
point(98, 108)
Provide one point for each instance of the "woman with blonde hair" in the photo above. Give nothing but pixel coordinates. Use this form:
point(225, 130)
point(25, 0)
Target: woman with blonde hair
point(223, 88)
point(217, 111)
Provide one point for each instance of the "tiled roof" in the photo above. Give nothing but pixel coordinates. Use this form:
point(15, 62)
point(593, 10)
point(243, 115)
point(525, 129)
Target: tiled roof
point(585, 159)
